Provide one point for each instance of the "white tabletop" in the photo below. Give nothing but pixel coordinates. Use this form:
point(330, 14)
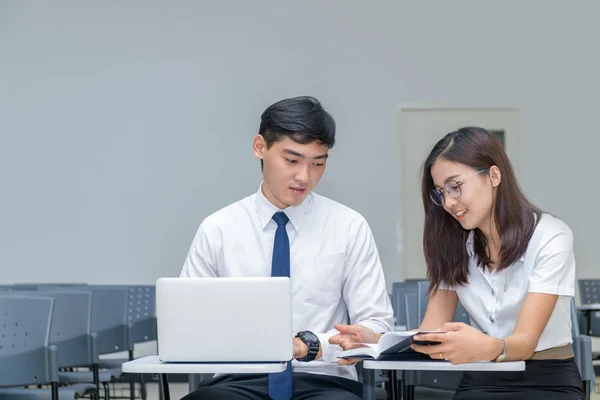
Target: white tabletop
point(152, 365)
point(589, 307)
point(445, 365)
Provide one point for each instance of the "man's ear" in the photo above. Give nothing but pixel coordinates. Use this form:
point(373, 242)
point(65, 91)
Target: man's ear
point(495, 176)
point(259, 146)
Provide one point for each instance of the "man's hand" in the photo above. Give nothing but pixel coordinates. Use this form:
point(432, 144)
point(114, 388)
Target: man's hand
point(300, 348)
point(350, 335)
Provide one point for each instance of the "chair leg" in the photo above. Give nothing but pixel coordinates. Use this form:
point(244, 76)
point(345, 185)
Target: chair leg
point(54, 387)
point(165, 386)
point(132, 387)
point(143, 387)
point(587, 389)
point(410, 392)
point(393, 382)
point(106, 391)
point(404, 388)
point(161, 389)
point(96, 377)
point(131, 379)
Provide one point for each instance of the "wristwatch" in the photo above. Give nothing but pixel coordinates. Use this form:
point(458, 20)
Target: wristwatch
point(313, 343)
point(502, 355)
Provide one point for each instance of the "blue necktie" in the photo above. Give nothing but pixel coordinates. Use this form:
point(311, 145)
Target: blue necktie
point(280, 384)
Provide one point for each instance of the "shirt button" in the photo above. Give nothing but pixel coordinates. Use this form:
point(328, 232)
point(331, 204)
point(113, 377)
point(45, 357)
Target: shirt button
point(493, 292)
point(492, 318)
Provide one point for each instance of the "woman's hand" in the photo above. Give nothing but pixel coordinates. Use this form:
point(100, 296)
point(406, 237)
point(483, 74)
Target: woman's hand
point(460, 343)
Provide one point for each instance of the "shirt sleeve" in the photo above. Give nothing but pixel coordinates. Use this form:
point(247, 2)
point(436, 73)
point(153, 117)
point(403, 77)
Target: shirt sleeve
point(202, 258)
point(554, 270)
point(364, 289)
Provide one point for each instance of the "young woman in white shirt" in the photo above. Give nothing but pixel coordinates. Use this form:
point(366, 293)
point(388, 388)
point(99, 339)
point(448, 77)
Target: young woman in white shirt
point(511, 266)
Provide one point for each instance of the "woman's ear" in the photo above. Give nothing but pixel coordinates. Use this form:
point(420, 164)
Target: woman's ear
point(495, 176)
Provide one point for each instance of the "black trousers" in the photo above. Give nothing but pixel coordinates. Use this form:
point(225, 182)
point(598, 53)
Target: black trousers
point(541, 380)
point(256, 387)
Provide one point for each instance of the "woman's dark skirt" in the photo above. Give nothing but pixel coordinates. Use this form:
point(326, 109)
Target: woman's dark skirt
point(541, 380)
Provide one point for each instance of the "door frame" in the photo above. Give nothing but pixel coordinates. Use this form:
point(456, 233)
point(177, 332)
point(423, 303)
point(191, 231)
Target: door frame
point(512, 145)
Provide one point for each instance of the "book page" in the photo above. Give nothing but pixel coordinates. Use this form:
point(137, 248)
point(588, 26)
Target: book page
point(392, 338)
point(373, 346)
point(361, 350)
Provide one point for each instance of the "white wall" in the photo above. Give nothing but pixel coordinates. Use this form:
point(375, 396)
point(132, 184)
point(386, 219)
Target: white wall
point(123, 124)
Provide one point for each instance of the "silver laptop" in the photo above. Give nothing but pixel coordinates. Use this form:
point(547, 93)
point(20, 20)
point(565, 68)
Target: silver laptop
point(224, 319)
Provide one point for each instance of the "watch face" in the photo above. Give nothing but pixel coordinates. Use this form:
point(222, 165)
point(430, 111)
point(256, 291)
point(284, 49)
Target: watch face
point(310, 336)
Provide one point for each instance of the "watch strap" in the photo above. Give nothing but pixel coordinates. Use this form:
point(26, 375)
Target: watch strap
point(312, 341)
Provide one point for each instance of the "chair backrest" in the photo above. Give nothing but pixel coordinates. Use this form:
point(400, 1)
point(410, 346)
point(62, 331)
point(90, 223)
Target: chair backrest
point(422, 299)
point(575, 333)
point(71, 325)
point(399, 289)
point(461, 314)
point(582, 347)
point(20, 287)
point(141, 312)
point(411, 311)
point(26, 358)
point(109, 318)
point(109, 313)
point(46, 284)
point(589, 291)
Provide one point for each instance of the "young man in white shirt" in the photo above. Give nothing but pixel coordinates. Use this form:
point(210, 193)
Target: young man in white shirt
point(326, 248)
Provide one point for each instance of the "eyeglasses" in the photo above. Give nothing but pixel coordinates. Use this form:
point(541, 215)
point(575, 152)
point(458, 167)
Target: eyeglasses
point(452, 188)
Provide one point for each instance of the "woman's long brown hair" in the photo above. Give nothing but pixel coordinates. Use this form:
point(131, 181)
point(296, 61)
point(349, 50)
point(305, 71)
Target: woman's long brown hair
point(444, 240)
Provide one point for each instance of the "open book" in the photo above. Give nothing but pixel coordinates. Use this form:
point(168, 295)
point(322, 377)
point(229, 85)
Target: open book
point(391, 346)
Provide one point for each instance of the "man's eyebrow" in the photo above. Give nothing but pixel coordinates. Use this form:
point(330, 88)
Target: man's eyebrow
point(295, 153)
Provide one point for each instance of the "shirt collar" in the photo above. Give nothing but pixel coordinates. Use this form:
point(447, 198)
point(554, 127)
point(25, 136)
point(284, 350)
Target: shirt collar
point(266, 209)
point(471, 247)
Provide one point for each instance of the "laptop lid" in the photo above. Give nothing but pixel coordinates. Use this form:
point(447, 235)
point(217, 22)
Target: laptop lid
point(224, 319)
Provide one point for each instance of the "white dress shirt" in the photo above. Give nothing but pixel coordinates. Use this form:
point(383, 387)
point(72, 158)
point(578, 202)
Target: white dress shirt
point(548, 266)
point(335, 270)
